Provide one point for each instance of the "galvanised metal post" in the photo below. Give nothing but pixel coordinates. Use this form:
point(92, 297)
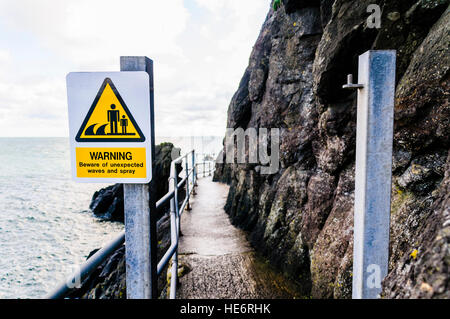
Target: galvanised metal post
point(139, 204)
point(188, 207)
point(375, 118)
point(194, 172)
point(196, 168)
point(174, 224)
point(175, 197)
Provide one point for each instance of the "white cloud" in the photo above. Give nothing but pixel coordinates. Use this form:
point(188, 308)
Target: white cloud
point(199, 55)
point(92, 32)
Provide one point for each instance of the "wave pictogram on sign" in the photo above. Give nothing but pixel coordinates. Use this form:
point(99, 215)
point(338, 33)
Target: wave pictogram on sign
point(109, 119)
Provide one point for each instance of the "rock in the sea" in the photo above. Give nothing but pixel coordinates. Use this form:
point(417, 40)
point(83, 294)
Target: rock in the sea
point(301, 218)
point(107, 203)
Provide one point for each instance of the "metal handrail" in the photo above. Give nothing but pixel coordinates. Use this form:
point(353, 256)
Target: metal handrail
point(175, 213)
point(211, 167)
point(87, 268)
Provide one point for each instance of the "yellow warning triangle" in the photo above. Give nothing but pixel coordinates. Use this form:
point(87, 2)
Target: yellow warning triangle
point(109, 119)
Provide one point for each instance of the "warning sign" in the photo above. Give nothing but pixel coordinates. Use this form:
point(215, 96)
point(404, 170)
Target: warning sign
point(110, 126)
point(111, 162)
point(109, 119)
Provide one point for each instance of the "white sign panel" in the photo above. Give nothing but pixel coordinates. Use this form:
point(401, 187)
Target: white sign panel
point(109, 127)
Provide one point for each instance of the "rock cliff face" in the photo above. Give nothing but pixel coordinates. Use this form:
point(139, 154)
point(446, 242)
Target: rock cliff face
point(301, 218)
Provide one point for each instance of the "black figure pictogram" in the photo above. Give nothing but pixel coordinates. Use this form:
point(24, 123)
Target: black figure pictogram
point(113, 119)
point(124, 124)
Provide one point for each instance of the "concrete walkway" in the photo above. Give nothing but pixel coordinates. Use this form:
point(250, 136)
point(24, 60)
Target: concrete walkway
point(219, 259)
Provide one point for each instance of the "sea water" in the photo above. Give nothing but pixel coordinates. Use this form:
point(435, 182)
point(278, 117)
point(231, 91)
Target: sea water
point(46, 227)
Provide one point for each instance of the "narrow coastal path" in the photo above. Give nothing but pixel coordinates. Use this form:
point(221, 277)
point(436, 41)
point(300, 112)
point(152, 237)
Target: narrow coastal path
point(220, 261)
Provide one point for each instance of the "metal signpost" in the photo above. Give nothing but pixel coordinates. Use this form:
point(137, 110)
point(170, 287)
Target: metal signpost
point(111, 127)
point(375, 117)
point(140, 224)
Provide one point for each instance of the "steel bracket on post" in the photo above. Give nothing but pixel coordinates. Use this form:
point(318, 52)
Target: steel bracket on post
point(350, 84)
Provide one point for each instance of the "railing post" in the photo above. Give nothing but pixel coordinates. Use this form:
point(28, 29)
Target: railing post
point(174, 223)
point(177, 207)
point(376, 90)
point(194, 173)
point(209, 168)
point(139, 204)
point(188, 195)
point(204, 169)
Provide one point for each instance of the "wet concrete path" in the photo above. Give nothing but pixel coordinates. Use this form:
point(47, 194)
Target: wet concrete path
point(219, 259)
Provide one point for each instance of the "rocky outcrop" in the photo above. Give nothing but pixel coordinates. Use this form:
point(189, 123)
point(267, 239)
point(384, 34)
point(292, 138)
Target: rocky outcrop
point(424, 271)
point(107, 203)
point(301, 218)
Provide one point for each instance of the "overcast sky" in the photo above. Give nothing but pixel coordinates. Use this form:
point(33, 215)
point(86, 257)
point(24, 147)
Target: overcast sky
point(200, 50)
